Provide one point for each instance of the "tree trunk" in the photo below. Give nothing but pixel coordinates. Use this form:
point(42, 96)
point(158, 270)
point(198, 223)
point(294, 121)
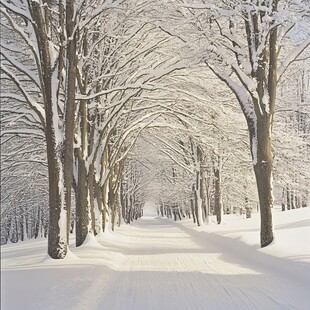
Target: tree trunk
point(111, 203)
point(25, 234)
point(37, 223)
point(82, 212)
point(91, 198)
point(288, 200)
point(218, 195)
point(283, 199)
point(81, 190)
point(208, 196)
point(57, 236)
point(59, 150)
point(203, 195)
point(293, 205)
point(104, 190)
point(69, 108)
point(263, 172)
point(100, 209)
point(119, 208)
point(161, 208)
point(193, 210)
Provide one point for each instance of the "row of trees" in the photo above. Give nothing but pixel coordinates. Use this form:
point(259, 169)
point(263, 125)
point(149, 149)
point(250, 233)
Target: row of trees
point(89, 78)
point(71, 70)
point(293, 121)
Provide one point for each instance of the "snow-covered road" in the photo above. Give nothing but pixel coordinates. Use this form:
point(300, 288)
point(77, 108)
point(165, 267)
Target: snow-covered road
point(159, 264)
point(169, 266)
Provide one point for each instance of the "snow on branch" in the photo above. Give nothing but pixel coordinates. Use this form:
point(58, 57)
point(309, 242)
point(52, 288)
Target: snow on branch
point(153, 75)
point(175, 160)
point(21, 67)
point(21, 32)
point(13, 96)
point(197, 6)
point(22, 132)
point(11, 6)
point(135, 86)
point(26, 116)
point(99, 10)
point(292, 56)
point(30, 101)
point(240, 91)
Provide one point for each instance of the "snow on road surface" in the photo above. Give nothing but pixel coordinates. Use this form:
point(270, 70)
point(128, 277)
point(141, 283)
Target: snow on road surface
point(157, 264)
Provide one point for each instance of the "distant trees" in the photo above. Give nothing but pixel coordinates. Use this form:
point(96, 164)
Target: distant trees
point(24, 212)
point(292, 138)
point(24, 183)
point(179, 154)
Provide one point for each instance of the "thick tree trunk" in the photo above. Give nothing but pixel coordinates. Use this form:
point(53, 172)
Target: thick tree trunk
point(104, 190)
point(119, 208)
point(218, 195)
point(263, 173)
point(24, 225)
point(91, 198)
point(195, 200)
point(283, 199)
point(82, 212)
point(124, 202)
point(208, 197)
point(69, 109)
point(293, 204)
point(111, 203)
point(288, 199)
point(37, 224)
point(57, 234)
point(174, 215)
point(57, 237)
point(59, 150)
point(179, 213)
point(162, 210)
point(81, 190)
point(203, 200)
point(198, 200)
point(193, 210)
point(99, 208)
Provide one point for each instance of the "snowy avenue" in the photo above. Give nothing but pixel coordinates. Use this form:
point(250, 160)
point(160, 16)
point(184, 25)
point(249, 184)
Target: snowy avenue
point(158, 264)
point(155, 154)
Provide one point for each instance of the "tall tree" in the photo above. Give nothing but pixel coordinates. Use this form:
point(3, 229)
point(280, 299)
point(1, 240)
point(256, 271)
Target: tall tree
point(245, 48)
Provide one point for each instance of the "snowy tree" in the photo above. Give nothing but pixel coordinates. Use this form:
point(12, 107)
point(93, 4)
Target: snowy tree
point(118, 66)
point(40, 60)
point(245, 46)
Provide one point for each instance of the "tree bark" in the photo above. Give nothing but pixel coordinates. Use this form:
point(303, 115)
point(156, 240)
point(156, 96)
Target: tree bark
point(218, 195)
point(288, 200)
point(59, 156)
point(82, 212)
point(70, 107)
point(263, 173)
point(283, 199)
point(91, 197)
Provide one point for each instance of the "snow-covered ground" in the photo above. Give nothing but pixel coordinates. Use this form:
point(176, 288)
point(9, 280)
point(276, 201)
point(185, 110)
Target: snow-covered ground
point(160, 264)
